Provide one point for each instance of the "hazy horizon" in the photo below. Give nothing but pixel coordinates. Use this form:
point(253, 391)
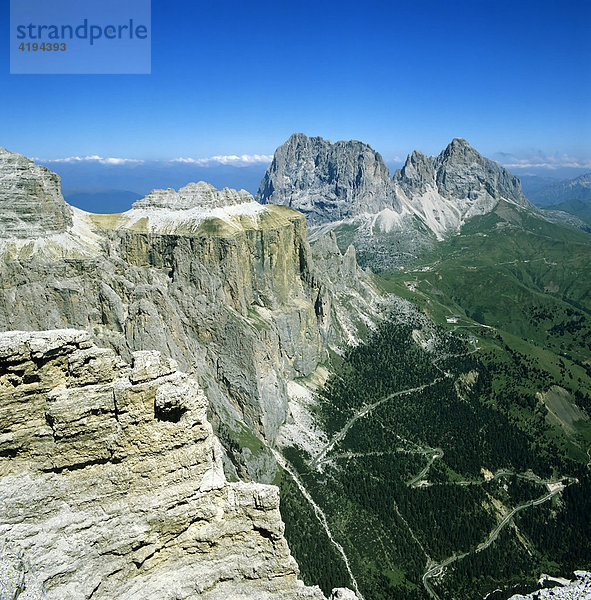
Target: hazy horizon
point(96, 184)
point(234, 79)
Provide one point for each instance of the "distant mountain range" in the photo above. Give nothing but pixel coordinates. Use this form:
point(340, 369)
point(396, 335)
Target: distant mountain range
point(566, 198)
point(563, 191)
point(85, 183)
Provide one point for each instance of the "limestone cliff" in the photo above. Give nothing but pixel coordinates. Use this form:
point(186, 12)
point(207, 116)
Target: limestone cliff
point(223, 285)
point(328, 182)
point(31, 199)
point(112, 486)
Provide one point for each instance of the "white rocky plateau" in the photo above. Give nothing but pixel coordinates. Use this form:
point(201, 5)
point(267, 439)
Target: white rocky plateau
point(166, 210)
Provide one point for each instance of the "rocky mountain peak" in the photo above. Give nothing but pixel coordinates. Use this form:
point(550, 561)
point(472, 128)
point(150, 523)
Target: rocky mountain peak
point(417, 170)
point(31, 202)
point(327, 181)
point(193, 195)
point(463, 173)
point(458, 148)
point(458, 151)
point(460, 175)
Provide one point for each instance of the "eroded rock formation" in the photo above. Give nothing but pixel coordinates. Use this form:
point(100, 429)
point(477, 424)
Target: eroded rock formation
point(223, 285)
point(112, 486)
point(326, 181)
point(31, 199)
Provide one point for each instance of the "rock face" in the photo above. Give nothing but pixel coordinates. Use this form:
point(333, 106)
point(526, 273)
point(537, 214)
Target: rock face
point(347, 187)
point(579, 589)
point(194, 195)
point(232, 292)
point(112, 486)
point(168, 211)
point(31, 204)
point(327, 182)
point(458, 184)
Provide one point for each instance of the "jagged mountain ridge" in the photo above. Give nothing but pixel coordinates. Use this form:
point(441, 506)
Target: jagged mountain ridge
point(31, 200)
point(458, 184)
point(349, 183)
point(326, 181)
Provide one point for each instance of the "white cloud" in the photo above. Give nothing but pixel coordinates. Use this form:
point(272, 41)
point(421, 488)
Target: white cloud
point(95, 158)
point(119, 161)
point(541, 160)
point(228, 159)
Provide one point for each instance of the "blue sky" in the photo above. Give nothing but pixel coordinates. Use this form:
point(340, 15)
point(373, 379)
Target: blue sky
point(240, 77)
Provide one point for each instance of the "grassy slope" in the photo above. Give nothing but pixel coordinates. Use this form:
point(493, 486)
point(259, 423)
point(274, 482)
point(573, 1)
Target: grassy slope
point(529, 278)
point(520, 287)
point(578, 208)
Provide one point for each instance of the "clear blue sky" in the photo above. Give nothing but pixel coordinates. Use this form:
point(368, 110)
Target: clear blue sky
point(234, 77)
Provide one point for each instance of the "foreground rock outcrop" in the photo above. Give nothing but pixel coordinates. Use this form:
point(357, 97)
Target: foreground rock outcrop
point(112, 486)
point(578, 589)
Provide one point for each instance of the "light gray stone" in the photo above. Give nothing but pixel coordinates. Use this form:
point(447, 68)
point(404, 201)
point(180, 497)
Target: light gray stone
point(193, 195)
point(447, 190)
point(31, 203)
point(101, 498)
point(578, 589)
point(240, 301)
point(326, 181)
point(343, 594)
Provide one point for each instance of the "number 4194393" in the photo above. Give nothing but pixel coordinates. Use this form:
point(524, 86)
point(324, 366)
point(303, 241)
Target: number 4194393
point(43, 47)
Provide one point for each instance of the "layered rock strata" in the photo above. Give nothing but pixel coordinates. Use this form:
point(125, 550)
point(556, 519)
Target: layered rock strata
point(214, 280)
point(112, 486)
point(200, 194)
point(31, 200)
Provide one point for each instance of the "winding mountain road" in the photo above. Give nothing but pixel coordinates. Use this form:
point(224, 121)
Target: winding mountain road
point(438, 568)
point(362, 413)
point(437, 453)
